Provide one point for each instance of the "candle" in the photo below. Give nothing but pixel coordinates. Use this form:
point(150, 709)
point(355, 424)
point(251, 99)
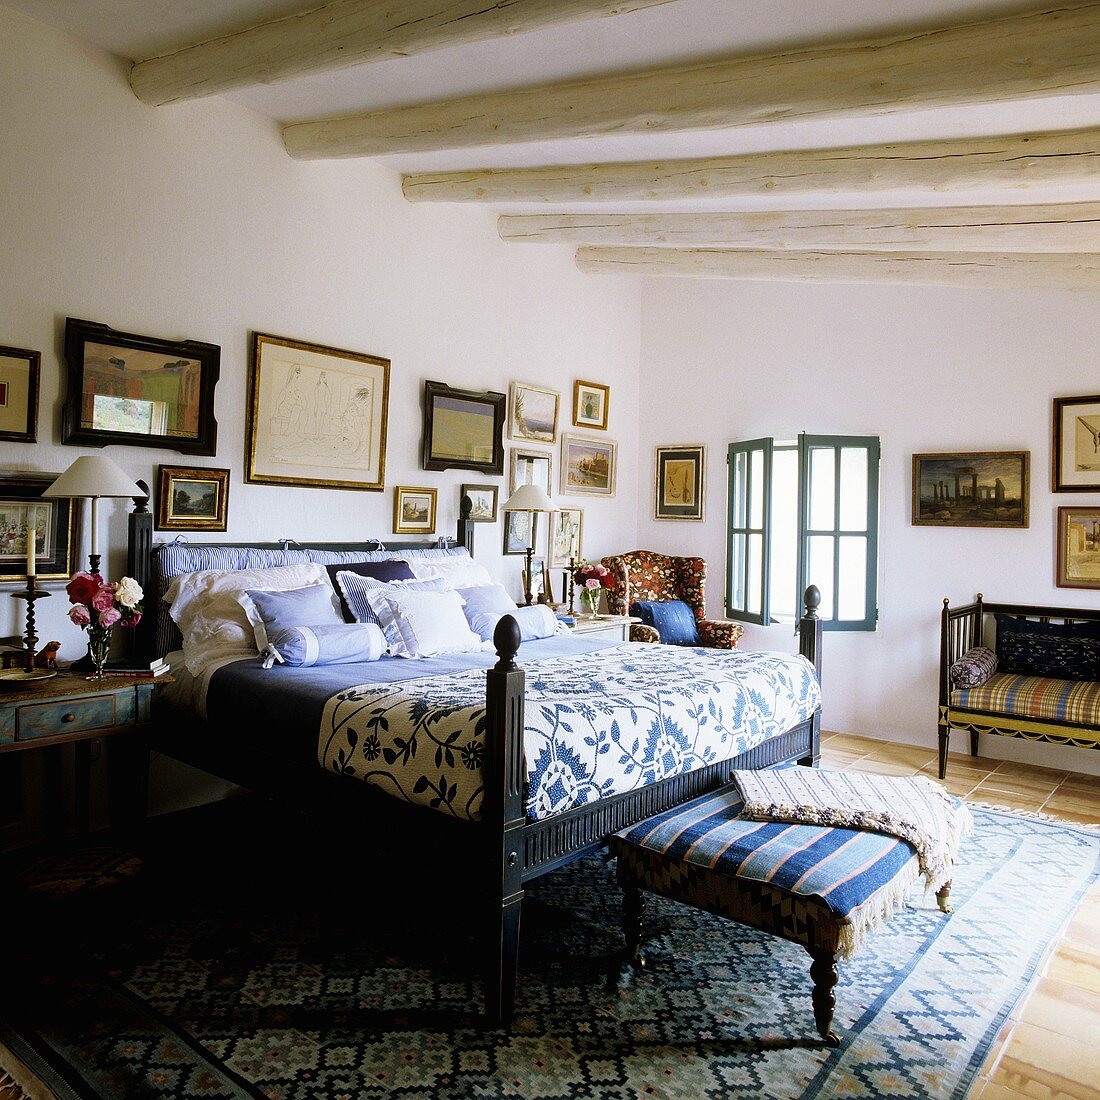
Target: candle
point(95, 525)
point(32, 517)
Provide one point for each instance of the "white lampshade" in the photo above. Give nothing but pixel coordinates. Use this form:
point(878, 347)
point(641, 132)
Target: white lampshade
point(94, 476)
point(529, 498)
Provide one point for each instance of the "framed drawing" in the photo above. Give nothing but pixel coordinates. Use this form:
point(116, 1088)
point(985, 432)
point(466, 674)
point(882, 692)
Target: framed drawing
point(192, 498)
point(531, 468)
point(565, 537)
point(539, 581)
point(1076, 449)
point(519, 531)
point(316, 416)
point(483, 502)
point(1078, 548)
point(19, 372)
point(463, 429)
point(588, 465)
point(972, 489)
point(533, 413)
point(50, 523)
point(413, 511)
point(590, 401)
point(680, 483)
point(139, 390)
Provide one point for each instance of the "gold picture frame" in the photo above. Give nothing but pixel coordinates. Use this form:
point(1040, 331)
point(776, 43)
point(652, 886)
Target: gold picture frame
point(590, 402)
point(414, 510)
point(588, 465)
point(972, 489)
point(680, 485)
point(1078, 548)
point(191, 498)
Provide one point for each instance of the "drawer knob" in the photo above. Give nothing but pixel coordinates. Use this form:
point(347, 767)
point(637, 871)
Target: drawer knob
point(70, 717)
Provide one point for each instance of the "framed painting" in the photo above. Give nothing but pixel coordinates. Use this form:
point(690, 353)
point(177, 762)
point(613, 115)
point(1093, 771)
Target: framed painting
point(1078, 548)
point(19, 374)
point(483, 502)
point(539, 581)
point(1076, 449)
point(565, 537)
point(531, 468)
point(139, 390)
point(588, 465)
point(972, 489)
point(51, 524)
point(316, 416)
point(192, 498)
point(532, 413)
point(519, 531)
point(414, 511)
point(590, 401)
point(463, 429)
point(680, 487)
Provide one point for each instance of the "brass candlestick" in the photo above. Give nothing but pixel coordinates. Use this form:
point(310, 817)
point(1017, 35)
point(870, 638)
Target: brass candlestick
point(30, 638)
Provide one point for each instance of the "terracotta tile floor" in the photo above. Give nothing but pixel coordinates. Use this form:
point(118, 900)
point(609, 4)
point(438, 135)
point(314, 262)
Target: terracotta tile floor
point(1050, 1048)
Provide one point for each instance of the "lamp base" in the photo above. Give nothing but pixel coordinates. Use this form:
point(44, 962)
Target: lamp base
point(528, 594)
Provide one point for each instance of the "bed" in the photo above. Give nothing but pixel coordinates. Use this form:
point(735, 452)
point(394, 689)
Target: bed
point(512, 838)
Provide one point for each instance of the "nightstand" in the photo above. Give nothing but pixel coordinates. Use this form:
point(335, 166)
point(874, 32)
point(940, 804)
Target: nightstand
point(613, 627)
point(68, 709)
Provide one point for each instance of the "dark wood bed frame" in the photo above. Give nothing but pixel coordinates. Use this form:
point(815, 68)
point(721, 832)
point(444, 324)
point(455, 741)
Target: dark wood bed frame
point(504, 850)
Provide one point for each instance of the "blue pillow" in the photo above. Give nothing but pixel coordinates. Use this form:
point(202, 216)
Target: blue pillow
point(388, 570)
point(486, 598)
point(673, 620)
point(335, 644)
point(1057, 651)
point(536, 621)
point(272, 612)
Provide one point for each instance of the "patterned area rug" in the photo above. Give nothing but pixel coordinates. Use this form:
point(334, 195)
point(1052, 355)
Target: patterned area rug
point(288, 981)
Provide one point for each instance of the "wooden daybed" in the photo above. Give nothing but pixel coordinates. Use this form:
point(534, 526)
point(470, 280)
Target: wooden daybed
point(504, 850)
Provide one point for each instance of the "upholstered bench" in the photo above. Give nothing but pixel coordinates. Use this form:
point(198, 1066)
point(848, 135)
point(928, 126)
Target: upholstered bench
point(824, 888)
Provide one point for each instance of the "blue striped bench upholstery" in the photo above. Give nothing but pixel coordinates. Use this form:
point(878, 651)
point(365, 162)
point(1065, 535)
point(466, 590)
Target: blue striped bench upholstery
point(820, 887)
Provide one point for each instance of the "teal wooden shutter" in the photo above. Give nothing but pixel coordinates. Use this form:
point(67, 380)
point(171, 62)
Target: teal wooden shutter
point(748, 534)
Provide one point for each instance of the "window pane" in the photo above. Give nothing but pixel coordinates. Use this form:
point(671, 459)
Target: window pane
point(737, 572)
point(852, 600)
point(821, 571)
point(853, 491)
point(756, 492)
point(822, 489)
point(784, 570)
point(756, 564)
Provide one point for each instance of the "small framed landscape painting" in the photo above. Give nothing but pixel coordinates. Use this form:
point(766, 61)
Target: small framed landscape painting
point(463, 429)
point(532, 468)
point(483, 502)
point(533, 413)
point(1076, 450)
point(192, 499)
point(590, 401)
point(972, 489)
point(1078, 548)
point(681, 482)
point(50, 523)
point(588, 465)
point(565, 537)
point(19, 394)
point(519, 532)
point(413, 511)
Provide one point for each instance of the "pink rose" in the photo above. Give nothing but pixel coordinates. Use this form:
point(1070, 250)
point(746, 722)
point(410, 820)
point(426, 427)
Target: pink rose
point(104, 599)
point(80, 614)
point(591, 583)
point(83, 586)
point(109, 617)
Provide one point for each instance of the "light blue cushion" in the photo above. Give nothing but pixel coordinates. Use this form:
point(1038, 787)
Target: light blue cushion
point(326, 645)
point(486, 597)
point(536, 621)
point(270, 613)
point(673, 620)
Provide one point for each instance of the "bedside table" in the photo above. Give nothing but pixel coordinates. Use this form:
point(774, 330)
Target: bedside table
point(613, 627)
point(68, 709)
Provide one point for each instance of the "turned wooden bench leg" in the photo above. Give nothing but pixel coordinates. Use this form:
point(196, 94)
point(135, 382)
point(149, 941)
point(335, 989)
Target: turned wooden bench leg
point(824, 974)
point(945, 743)
point(633, 908)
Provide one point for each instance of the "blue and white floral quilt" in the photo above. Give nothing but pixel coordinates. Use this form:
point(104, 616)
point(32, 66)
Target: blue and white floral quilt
point(595, 725)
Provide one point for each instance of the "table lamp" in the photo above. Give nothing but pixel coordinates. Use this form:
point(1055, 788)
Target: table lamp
point(529, 498)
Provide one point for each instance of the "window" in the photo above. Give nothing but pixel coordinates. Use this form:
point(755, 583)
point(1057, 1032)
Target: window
point(803, 513)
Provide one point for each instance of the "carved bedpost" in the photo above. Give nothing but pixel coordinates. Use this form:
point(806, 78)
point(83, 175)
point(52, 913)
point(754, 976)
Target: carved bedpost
point(503, 814)
point(465, 533)
point(809, 645)
point(139, 549)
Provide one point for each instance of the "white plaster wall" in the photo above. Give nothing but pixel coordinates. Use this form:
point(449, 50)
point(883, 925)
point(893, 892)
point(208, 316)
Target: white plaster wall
point(924, 368)
point(191, 221)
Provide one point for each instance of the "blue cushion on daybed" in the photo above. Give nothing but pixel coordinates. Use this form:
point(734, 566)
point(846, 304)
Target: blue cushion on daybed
point(1059, 651)
point(673, 620)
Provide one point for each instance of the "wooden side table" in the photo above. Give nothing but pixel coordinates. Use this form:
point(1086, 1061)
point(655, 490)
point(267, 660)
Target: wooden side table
point(68, 709)
point(612, 627)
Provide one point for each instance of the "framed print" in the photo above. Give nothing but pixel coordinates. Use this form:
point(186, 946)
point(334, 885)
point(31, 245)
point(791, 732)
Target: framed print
point(19, 372)
point(413, 511)
point(1078, 548)
point(139, 390)
point(463, 430)
point(538, 584)
point(565, 537)
point(590, 401)
point(316, 416)
point(519, 532)
point(533, 413)
point(588, 465)
point(972, 489)
point(531, 468)
point(483, 502)
point(50, 523)
point(191, 498)
point(1076, 446)
point(681, 483)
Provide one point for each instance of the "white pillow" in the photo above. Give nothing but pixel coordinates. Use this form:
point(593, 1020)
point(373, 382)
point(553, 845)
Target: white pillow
point(206, 607)
point(458, 572)
point(424, 624)
point(536, 621)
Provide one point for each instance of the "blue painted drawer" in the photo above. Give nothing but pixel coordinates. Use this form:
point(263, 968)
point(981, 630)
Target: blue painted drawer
point(68, 716)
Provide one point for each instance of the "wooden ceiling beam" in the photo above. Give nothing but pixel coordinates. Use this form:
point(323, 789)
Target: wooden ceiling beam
point(343, 33)
point(1000, 270)
point(1037, 54)
point(1014, 163)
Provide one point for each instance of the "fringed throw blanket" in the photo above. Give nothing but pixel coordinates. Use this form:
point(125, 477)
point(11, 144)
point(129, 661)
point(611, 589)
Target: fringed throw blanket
point(912, 808)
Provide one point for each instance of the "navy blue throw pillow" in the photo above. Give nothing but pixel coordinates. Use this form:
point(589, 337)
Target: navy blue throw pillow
point(673, 619)
point(386, 570)
point(1059, 651)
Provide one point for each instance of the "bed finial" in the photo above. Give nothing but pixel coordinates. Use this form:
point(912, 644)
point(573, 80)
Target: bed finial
point(946, 602)
point(813, 601)
point(506, 638)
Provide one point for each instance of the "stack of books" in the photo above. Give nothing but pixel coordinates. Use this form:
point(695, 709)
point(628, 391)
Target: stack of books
point(157, 667)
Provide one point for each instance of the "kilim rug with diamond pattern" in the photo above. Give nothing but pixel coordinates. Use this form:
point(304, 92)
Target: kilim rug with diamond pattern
point(228, 975)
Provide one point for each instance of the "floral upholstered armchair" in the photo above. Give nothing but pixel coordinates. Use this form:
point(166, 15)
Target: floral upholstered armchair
point(644, 575)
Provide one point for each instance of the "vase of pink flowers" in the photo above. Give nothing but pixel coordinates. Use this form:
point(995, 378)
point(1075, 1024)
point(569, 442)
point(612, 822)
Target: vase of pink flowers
point(590, 578)
point(99, 606)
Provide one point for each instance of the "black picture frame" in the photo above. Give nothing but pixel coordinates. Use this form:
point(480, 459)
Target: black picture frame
point(19, 380)
point(192, 498)
point(134, 409)
point(453, 427)
point(56, 559)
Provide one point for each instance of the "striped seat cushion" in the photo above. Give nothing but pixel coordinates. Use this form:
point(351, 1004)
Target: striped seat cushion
point(1073, 701)
point(841, 868)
